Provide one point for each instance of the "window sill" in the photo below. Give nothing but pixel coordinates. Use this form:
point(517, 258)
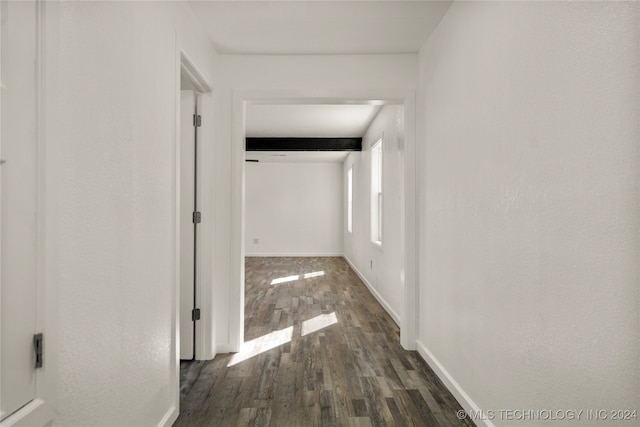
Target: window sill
point(377, 245)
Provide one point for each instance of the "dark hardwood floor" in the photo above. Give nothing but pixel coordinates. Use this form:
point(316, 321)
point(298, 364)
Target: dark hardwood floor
point(320, 351)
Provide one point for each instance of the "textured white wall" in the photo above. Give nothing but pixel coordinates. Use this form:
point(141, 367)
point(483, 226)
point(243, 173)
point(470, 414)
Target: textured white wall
point(293, 208)
point(382, 267)
point(110, 226)
point(530, 233)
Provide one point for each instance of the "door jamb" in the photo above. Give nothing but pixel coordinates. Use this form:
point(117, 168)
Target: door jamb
point(205, 344)
point(204, 329)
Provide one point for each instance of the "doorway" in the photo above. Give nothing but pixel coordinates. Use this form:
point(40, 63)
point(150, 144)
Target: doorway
point(194, 220)
point(243, 99)
point(190, 217)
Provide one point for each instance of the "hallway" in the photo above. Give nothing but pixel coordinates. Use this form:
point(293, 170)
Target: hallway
point(508, 248)
point(319, 351)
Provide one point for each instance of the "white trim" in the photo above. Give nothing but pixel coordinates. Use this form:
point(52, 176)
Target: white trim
point(41, 410)
point(169, 417)
point(225, 348)
point(191, 71)
point(394, 315)
point(349, 199)
point(376, 183)
point(174, 379)
point(376, 245)
point(46, 377)
point(237, 235)
point(294, 255)
point(205, 329)
point(34, 413)
point(410, 312)
point(461, 396)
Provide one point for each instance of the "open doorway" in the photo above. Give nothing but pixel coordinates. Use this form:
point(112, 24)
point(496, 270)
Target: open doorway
point(194, 214)
point(190, 216)
point(404, 314)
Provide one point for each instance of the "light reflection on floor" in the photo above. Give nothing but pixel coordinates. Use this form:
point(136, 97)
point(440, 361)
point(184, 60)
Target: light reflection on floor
point(319, 322)
point(293, 278)
point(277, 338)
point(261, 344)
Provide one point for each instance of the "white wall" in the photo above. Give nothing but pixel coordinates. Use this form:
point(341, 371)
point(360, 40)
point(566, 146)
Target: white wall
point(110, 226)
point(382, 267)
point(293, 209)
point(530, 233)
point(320, 77)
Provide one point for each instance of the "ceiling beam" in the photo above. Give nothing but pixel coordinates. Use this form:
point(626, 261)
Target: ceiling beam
point(303, 144)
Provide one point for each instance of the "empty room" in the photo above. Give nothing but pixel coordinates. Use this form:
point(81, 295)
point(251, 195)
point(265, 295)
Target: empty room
point(319, 213)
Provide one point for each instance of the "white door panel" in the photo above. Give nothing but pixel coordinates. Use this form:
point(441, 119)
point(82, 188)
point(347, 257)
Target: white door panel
point(18, 260)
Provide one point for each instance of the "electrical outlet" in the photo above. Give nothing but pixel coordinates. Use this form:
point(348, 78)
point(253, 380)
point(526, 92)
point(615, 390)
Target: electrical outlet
point(256, 241)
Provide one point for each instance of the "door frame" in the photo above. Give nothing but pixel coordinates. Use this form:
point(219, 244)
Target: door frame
point(242, 98)
point(205, 329)
point(41, 410)
point(189, 143)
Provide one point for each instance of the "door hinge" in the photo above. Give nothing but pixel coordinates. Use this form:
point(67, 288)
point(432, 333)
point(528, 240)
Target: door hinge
point(38, 344)
point(197, 120)
point(195, 314)
point(197, 217)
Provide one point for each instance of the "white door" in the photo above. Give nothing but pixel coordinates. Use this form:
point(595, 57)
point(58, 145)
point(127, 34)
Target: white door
point(18, 251)
point(188, 202)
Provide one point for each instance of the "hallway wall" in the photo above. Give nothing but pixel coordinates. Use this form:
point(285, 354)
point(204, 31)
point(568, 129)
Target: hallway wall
point(530, 233)
point(381, 267)
point(293, 209)
point(109, 234)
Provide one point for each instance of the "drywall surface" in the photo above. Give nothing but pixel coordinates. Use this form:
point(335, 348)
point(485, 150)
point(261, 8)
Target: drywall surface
point(110, 226)
point(381, 266)
point(319, 72)
point(530, 232)
point(291, 77)
point(293, 209)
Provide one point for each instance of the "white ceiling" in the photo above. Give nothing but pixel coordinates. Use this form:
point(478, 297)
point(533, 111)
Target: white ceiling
point(337, 121)
point(327, 27)
point(319, 27)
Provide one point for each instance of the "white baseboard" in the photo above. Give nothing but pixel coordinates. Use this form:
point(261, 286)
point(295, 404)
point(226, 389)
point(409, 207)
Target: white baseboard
point(461, 396)
point(35, 413)
point(170, 417)
point(293, 255)
point(225, 348)
point(376, 294)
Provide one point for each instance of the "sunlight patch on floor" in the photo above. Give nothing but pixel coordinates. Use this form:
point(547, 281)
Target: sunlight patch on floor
point(261, 344)
point(284, 279)
point(319, 322)
point(314, 274)
point(287, 279)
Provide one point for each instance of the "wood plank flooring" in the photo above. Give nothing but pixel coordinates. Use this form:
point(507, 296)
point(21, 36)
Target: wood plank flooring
point(320, 352)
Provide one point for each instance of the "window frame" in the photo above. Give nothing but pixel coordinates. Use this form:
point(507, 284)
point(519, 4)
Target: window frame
point(350, 200)
point(377, 197)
